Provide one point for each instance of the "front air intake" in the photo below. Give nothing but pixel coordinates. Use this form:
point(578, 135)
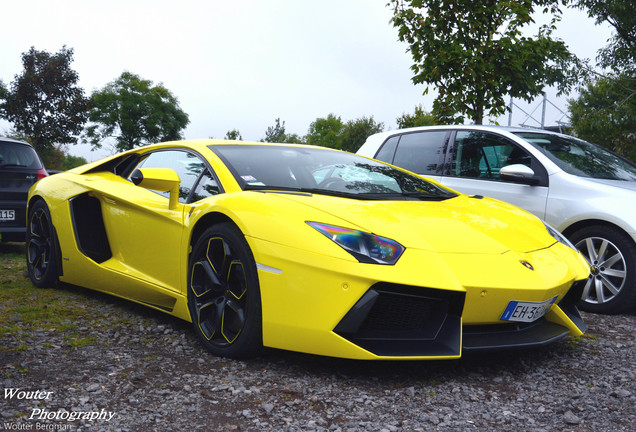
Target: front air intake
point(398, 320)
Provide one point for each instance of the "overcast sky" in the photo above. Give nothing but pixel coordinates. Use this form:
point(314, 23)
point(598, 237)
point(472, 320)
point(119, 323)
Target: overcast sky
point(241, 64)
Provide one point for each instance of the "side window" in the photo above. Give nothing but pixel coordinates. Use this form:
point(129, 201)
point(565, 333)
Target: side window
point(206, 187)
point(482, 155)
point(421, 152)
point(387, 151)
point(187, 166)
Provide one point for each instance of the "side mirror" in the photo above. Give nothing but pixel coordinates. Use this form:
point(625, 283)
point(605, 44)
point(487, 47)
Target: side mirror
point(159, 179)
point(518, 173)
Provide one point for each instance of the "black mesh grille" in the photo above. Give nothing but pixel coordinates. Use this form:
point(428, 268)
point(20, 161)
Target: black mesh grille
point(404, 316)
point(403, 320)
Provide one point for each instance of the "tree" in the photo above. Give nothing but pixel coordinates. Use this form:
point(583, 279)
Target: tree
point(44, 103)
point(326, 132)
point(233, 134)
point(3, 91)
point(475, 54)
point(134, 112)
point(605, 114)
point(356, 132)
point(70, 162)
point(277, 134)
point(620, 53)
point(605, 110)
point(418, 118)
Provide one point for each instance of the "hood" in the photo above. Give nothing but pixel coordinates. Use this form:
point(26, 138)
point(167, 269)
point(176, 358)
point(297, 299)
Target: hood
point(623, 184)
point(457, 225)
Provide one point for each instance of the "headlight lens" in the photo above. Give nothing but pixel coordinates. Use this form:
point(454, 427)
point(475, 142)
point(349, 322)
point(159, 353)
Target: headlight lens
point(365, 247)
point(558, 236)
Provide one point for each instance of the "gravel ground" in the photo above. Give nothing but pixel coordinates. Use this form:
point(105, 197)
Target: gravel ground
point(147, 372)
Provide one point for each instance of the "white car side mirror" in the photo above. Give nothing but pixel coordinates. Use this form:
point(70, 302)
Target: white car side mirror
point(518, 173)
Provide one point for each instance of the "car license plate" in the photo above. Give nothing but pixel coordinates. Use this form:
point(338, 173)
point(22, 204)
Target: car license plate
point(7, 215)
point(527, 311)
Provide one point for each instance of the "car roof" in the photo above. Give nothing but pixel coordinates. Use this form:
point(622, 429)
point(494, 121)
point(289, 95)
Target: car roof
point(202, 144)
point(14, 141)
point(495, 128)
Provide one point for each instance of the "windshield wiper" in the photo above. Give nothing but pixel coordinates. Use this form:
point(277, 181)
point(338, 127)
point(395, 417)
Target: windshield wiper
point(426, 196)
point(11, 165)
point(288, 189)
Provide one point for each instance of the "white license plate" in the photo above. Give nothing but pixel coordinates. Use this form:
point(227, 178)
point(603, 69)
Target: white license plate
point(7, 215)
point(527, 311)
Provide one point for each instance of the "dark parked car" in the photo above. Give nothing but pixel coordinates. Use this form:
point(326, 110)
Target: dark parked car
point(20, 168)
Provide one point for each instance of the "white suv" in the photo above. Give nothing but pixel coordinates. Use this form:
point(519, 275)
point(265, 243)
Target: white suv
point(583, 190)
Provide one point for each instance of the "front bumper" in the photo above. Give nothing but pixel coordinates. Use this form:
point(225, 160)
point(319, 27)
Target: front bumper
point(427, 306)
point(392, 320)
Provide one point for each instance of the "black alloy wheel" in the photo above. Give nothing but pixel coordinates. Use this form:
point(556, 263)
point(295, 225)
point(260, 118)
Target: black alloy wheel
point(224, 294)
point(611, 254)
point(41, 247)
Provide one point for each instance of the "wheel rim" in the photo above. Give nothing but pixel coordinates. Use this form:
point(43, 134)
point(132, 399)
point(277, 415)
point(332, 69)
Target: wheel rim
point(608, 270)
point(219, 292)
point(39, 247)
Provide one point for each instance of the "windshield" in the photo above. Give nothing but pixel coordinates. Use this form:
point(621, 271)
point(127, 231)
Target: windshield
point(18, 155)
point(580, 158)
point(320, 170)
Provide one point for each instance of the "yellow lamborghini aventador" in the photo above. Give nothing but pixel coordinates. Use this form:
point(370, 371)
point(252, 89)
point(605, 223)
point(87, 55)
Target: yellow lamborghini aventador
point(305, 249)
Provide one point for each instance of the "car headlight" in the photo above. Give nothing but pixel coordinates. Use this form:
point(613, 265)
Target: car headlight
point(365, 247)
point(558, 236)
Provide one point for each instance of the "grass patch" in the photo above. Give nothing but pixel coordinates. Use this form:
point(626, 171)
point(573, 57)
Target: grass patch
point(573, 342)
point(25, 309)
point(77, 341)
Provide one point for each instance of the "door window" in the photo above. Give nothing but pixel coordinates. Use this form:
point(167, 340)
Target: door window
point(206, 187)
point(386, 153)
point(482, 155)
point(421, 152)
point(188, 167)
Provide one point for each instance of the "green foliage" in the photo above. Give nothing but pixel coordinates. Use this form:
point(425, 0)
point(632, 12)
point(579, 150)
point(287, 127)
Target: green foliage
point(475, 55)
point(70, 162)
point(332, 132)
point(326, 132)
point(605, 114)
point(418, 118)
point(357, 131)
point(277, 134)
point(620, 54)
point(134, 112)
point(44, 103)
point(605, 111)
point(234, 135)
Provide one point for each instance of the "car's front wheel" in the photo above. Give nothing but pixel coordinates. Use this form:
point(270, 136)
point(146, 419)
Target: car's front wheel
point(41, 251)
point(611, 287)
point(224, 294)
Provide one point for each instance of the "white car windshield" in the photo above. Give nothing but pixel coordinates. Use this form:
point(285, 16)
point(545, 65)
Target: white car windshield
point(581, 158)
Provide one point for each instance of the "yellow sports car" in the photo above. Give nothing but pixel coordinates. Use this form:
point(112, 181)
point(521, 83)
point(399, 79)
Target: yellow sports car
point(306, 249)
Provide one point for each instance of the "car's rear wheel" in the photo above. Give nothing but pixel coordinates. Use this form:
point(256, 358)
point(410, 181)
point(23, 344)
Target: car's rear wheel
point(41, 252)
point(224, 294)
point(611, 287)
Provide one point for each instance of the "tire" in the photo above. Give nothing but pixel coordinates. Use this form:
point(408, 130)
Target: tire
point(223, 293)
point(41, 247)
point(611, 287)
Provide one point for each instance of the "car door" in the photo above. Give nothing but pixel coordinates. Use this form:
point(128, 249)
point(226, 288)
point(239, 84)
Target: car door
point(144, 233)
point(474, 160)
